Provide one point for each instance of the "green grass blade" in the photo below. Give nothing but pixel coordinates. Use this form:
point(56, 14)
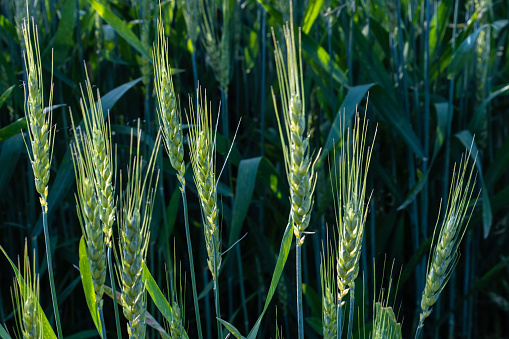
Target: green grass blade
point(232, 329)
point(3, 333)
point(5, 95)
point(120, 27)
point(46, 327)
point(155, 293)
point(312, 12)
point(467, 140)
point(464, 53)
point(88, 286)
point(9, 28)
point(480, 112)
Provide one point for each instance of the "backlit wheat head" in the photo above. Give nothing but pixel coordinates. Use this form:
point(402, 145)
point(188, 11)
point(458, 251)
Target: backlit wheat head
point(298, 163)
point(26, 300)
point(168, 108)
point(89, 211)
point(100, 155)
point(135, 215)
point(445, 254)
point(38, 118)
point(202, 148)
point(350, 205)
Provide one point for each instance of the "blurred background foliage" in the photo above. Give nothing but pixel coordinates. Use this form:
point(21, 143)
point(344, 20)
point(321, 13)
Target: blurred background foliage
point(436, 75)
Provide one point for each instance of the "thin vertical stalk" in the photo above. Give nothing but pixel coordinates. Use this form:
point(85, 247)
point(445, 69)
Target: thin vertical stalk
point(191, 264)
point(352, 311)
point(224, 106)
point(262, 91)
point(424, 194)
point(339, 328)
point(300, 315)
point(195, 68)
point(114, 292)
point(216, 294)
point(101, 317)
point(50, 272)
point(242, 292)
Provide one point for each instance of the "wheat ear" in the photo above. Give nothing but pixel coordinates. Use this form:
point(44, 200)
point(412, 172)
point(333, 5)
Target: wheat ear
point(177, 317)
point(25, 299)
point(135, 215)
point(350, 207)
point(445, 254)
point(202, 147)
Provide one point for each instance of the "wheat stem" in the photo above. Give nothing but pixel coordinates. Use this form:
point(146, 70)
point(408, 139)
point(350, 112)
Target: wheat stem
point(114, 292)
point(50, 272)
point(101, 317)
point(191, 264)
point(300, 315)
point(352, 308)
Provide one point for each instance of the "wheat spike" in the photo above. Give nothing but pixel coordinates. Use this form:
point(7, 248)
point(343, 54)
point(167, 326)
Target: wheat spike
point(350, 205)
point(191, 11)
point(26, 300)
point(89, 210)
point(135, 215)
point(299, 167)
point(202, 145)
point(329, 293)
point(38, 118)
point(445, 254)
point(168, 108)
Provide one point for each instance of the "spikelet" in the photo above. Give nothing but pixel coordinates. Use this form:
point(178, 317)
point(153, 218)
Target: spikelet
point(445, 254)
point(329, 293)
point(298, 164)
point(202, 146)
point(168, 108)
point(350, 207)
point(38, 118)
point(26, 299)
point(135, 215)
point(89, 210)
point(100, 155)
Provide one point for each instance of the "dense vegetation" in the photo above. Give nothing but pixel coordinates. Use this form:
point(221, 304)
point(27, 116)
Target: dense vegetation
point(431, 77)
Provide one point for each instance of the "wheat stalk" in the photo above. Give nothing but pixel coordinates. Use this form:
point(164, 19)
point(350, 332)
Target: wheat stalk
point(26, 298)
point(135, 215)
point(445, 254)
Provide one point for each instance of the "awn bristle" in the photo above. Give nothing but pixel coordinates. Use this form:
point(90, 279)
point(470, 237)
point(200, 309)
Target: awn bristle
point(100, 155)
point(136, 212)
point(299, 167)
point(445, 254)
point(26, 300)
point(38, 119)
point(177, 319)
point(202, 145)
point(168, 110)
point(350, 206)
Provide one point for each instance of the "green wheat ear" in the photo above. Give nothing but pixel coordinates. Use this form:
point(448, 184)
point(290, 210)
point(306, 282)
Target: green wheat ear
point(168, 108)
point(177, 303)
point(329, 292)
point(300, 169)
point(445, 253)
point(350, 205)
point(25, 299)
point(202, 148)
point(38, 119)
point(134, 222)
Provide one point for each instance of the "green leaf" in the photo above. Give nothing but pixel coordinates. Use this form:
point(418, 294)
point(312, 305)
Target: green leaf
point(480, 112)
point(312, 12)
point(467, 139)
point(284, 250)
point(155, 293)
point(246, 179)
point(313, 300)
point(345, 113)
point(3, 333)
point(12, 129)
point(64, 37)
point(463, 53)
point(88, 286)
point(232, 329)
point(386, 325)
point(9, 155)
point(9, 27)
point(47, 331)
point(120, 27)
point(5, 95)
